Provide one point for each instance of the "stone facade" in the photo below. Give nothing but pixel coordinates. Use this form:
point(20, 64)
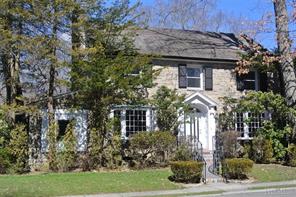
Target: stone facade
point(224, 79)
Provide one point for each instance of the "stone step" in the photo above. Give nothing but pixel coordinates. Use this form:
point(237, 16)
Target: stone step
point(214, 180)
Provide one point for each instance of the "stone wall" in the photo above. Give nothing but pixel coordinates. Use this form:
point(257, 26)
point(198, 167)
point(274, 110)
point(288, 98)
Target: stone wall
point(224, 79)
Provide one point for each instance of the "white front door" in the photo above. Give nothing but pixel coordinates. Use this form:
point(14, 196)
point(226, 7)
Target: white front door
point(195, 128)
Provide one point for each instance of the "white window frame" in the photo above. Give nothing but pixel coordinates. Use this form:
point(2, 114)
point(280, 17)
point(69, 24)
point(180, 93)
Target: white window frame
point(149, 118)
point(246, 127)
point(200, 77)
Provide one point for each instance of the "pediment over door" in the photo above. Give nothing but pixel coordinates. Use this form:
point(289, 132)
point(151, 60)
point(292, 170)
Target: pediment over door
point(202, 102)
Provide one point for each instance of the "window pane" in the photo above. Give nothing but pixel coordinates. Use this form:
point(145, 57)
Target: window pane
point(62, 125)
point(135, 121)
point(193, 72)
point(194, 82)
point(249, 85)
point(250, 75)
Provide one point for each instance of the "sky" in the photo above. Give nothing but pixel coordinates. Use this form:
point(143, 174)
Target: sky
point(249, 9)
point(252, 9)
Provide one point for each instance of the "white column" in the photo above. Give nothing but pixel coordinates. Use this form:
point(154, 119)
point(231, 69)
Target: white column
point(123, 123)
point(246, 126)
point(211, 128)
point(148, 120)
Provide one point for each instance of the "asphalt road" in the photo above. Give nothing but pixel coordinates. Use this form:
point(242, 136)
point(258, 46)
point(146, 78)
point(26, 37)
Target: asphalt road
point(289, 192)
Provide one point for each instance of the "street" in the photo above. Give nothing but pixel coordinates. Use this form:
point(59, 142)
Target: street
point(289, 192)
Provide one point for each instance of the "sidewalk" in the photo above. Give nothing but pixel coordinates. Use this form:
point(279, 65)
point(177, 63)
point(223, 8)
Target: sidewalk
point(211, 187)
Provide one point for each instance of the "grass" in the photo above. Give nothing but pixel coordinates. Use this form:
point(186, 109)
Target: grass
point(272, 187)
point(59, 184)
point(273, 172)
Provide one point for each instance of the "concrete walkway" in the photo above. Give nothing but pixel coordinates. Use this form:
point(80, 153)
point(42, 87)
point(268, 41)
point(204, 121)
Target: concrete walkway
point(198, 188)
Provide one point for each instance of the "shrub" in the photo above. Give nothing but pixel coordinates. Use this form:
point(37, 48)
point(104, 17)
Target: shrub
point(148, 147)
point(278, 138)
point(68, 155)
point(291, 154)
point(186, 171)
point(112, 152)
point(236, 168)
point(247, 151)
point(262, 151)
point(229, 144)
point(183, 154)
point(94, 156)
point(4, 161)
point(52, 155)
point(19, 149)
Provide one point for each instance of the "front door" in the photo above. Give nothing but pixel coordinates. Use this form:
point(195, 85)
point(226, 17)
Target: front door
point(195, 128)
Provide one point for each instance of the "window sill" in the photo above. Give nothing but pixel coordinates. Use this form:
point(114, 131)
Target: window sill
point(192, 88)
point(245, 138)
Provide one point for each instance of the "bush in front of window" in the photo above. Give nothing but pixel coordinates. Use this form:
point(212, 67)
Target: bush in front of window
point(291, 154)
point(278, 138)
point(151, 148)
point(236, 168)
point(186, 171)
point(112, 152)
point(262, 151)
point(67, 157)
point(103, 151)
point(230, 144)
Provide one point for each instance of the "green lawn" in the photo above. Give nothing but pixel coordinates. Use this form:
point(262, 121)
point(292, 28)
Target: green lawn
point(57, 184)
point(273, 172)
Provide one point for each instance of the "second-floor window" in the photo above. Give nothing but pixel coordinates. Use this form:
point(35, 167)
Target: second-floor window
point(193, 77)
point(250, 81)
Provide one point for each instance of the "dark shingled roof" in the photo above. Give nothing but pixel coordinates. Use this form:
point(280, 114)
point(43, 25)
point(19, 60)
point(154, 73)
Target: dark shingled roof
point(188, 44)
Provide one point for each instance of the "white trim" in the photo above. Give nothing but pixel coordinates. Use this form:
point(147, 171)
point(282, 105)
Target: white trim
point(80, 117)
point(231, 62)
point(199, 96)
point(149, 121)
point(207, 119)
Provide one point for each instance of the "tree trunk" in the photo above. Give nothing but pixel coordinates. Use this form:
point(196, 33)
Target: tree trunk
point(11, 64)
point(284, 46)
point(52, 70)
point(52, 133)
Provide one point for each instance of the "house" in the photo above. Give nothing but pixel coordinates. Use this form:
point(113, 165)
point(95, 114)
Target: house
point(197, 64)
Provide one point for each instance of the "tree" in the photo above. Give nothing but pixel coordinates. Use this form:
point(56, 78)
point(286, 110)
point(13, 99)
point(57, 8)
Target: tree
point(109, 70)
point(284, 47)
point(201, 15)
point(11, 29)
point(19, 149)
point(170, 106)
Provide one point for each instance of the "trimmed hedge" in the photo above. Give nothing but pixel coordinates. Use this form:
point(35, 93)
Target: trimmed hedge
point(186, 171)
point(236, 168)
